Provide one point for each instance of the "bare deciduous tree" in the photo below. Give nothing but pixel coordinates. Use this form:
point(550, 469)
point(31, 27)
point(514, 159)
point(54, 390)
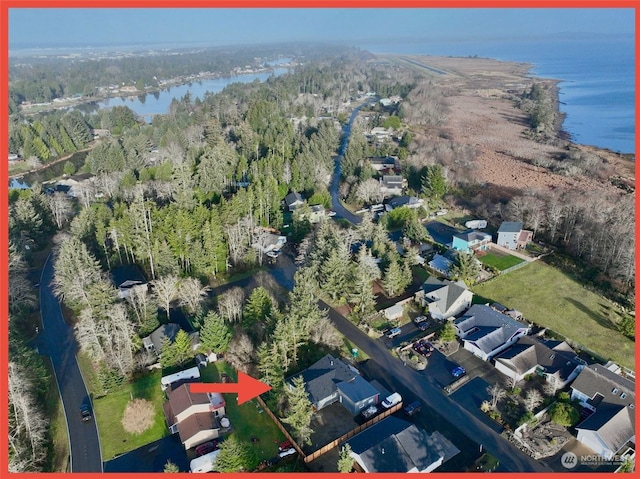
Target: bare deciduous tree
point(532, 399)
point(230, 304)
point(496, 393)
point(61, 208)
point(192, 294)
point(166, 290)
point(369, 191)
point(242, 353)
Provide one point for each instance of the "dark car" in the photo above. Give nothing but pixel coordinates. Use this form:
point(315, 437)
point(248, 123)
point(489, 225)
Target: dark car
point(413, 408)
point(457, 371)
point(423, 347)
point(85, 412)
point(206, 448)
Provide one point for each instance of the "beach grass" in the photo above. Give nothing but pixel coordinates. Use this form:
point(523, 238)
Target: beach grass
point(552, 299)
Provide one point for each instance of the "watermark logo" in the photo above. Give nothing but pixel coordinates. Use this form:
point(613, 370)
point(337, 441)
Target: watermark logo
point(569, 460)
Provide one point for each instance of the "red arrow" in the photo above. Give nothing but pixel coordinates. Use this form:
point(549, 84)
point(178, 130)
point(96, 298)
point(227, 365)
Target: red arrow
point(246, 387)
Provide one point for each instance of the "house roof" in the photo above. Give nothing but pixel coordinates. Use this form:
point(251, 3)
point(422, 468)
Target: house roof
point(395, 445)
point(440, 263)
point(487, 328)
point(596, 379)
point(323, 378)
point(404, 201)
point(192, 425)
point(614, 424)
point(127, 273)
point(293, 198)
point(181, 399)
point(510, 227)
point(473, 235)
point(169, 330)
point(444, 293)
point(529, 353)
point(392, 181)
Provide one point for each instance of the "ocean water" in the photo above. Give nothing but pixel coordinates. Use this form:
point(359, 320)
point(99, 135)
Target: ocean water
point(597, 79)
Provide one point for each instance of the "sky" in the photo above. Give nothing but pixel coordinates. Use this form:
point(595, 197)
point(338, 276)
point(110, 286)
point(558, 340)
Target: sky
point(98, 27)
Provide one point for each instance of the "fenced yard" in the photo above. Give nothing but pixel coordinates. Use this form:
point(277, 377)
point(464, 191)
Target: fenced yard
point(500, 261)
point(551, 299)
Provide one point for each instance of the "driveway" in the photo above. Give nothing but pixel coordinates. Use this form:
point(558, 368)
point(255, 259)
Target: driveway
point(151, 457)
point(441, 233)
point(57, 341)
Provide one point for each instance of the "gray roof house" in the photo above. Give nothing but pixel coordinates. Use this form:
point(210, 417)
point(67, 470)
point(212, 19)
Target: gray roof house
point(392, 185)
point(512, 236)
point(408, 201)
point(611, 397)
point(443, 299)
point(293, 200)
point(128, 277)
point(395, 445)
point(553, 360)
point(153, 342)
point(485, 332)
point(330, 380)
point(441, 263)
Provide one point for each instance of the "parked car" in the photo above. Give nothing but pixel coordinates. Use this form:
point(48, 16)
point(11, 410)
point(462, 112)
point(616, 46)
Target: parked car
point(85, 412)
point(284, 446)
point(393, 332)
point(224, 377)
point(287, 452)
point(420, 319)
point(428, 345)
point(273, 254)
point(424, 325)
point(391, 400)
point(423, 347)
point(206, 448)
point(413, 408)
point(369, 412)
point(457, 371)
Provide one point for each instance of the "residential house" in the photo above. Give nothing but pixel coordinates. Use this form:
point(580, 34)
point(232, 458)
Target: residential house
point(127, 278)
point(293, 200)
point(394, 312)
point(409, 201)
point(100, 133)
point(392, 185)
point(330, 380)
point(77, 183)
point(395, 445)
point(153, 342)
point(380, 133)
point(512, 236)
point(443, 299)
point(266, 241)
point(611, 399)
point(553, 360)
point(471, 240)
point(382, 163)
point(485, 332)
point(194, 416)
point(441, 264)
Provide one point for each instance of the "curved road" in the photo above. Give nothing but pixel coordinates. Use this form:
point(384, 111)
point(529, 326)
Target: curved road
point(57, 341)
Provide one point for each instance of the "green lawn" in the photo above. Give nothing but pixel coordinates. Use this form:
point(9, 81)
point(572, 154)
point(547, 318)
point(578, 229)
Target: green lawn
point(109, 410)
point(551, 299)
point(247, 420)
point(500, 262)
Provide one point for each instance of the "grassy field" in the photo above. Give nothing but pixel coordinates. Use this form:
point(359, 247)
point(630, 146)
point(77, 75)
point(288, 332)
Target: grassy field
point(109, 410)
point(500, 262)
point(247, 420)
point(551, 299)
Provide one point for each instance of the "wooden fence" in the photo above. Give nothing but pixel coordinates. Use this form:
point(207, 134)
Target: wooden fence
point(327, 447)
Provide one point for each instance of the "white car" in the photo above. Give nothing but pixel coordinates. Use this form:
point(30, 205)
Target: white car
point(391, 401)
point(393, 332)
point(420, 319)
point(287, 452)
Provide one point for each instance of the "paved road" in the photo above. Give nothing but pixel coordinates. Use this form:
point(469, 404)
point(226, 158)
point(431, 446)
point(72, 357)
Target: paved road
point(57, 341)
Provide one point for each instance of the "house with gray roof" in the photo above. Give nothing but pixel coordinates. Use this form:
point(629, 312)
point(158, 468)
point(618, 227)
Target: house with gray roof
point(153, 342)
point(395, 445)
point(611, 398)
point(293, 200)
point(486, 332)
point(553, 360)
point(126, 278)
point(409, 201)
point(443, 299)
point(441, 264)
point(512, 236)
point(392, 185)
point(471, 240)
point(330, 380)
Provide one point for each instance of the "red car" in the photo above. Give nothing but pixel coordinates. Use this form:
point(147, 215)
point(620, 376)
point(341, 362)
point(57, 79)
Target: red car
point(206, 448)
point(285, 445)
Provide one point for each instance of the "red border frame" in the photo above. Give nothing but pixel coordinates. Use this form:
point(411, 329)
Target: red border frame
point(4, 96)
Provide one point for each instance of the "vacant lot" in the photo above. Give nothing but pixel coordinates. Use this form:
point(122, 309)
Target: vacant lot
point(551, 299)
point(109, 411)
point(500, 261)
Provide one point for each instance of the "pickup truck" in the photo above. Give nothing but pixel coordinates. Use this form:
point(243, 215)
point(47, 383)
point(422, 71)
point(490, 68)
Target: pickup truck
point(393, 332)
point(413, 408)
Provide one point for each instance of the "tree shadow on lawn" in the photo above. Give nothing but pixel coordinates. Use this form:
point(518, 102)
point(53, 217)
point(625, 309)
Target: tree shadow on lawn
point(601, 320)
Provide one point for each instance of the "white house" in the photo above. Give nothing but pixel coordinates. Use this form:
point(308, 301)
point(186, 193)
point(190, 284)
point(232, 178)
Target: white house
point(611, 397)
point(443, 299)
point(486, 332)
point(512, 236)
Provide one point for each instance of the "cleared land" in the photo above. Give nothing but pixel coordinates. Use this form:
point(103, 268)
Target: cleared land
point(500, 262)
point(553, 300)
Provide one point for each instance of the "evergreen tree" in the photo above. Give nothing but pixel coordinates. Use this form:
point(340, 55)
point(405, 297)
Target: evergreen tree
point(170, 467)
point(299, 411)
point(345, 461)
point(215, 335)
point(396, 278)
point(182, 347)
point(235, 456)
point(259, 307)
point(336, 275)
point(466, 268)
point(270, 365)
point(434, 183)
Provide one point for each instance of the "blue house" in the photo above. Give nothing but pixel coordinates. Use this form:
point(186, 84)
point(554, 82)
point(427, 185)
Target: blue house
point(471, 240)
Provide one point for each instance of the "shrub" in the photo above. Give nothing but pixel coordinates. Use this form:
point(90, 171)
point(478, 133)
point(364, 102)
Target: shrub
point(527, 418)
point(564, 414)
point(564, 396)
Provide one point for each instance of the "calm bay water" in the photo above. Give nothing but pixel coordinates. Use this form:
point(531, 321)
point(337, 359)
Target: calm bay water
point(597, 87)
